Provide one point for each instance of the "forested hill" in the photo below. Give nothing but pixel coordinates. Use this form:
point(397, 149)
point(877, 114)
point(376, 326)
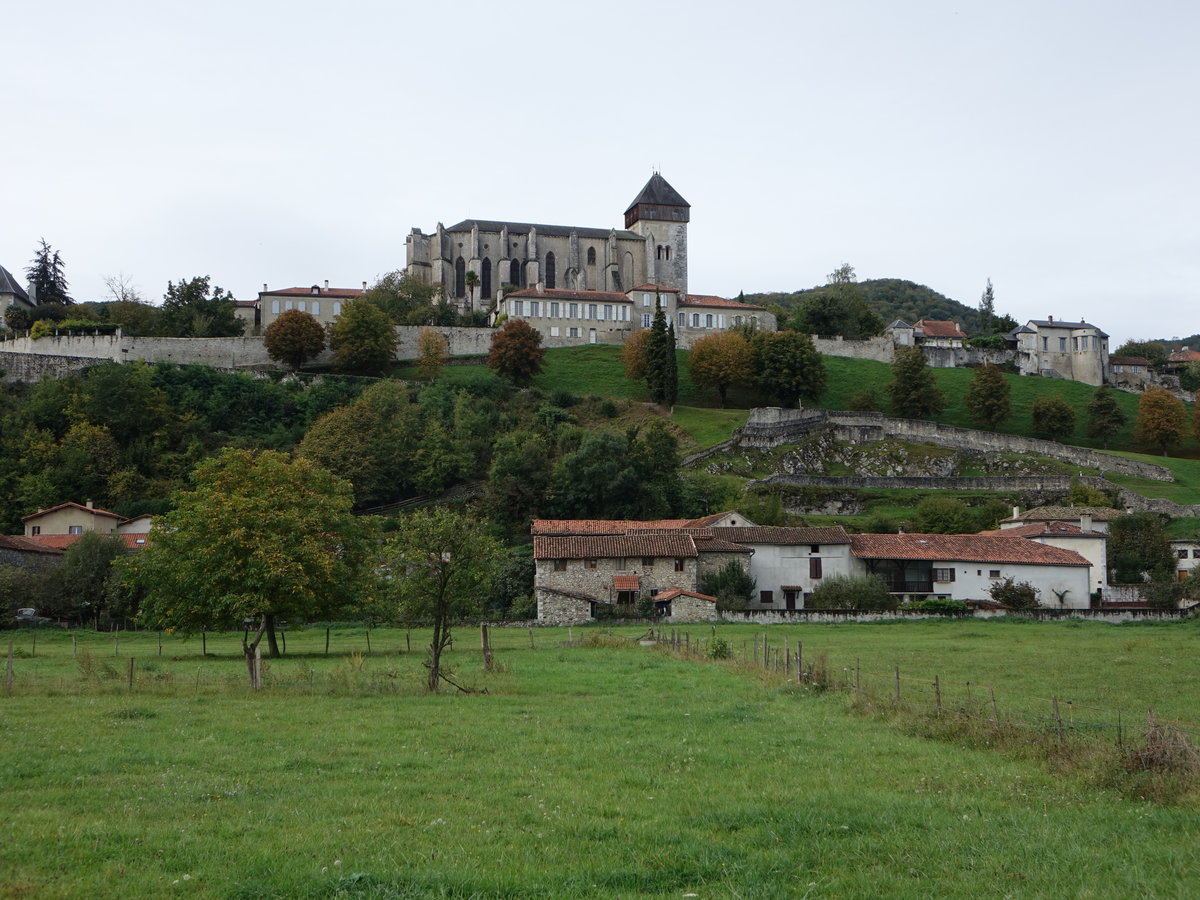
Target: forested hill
point(891, 299)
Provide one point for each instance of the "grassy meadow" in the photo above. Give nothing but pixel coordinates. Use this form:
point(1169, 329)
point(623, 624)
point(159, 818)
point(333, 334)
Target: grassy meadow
point(605, 770)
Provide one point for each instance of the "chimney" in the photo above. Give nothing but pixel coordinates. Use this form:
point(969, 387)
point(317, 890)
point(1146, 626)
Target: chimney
point(1085, 523)
point(541, 287)
point(364, 285)
point(264, 287)
point(326, 284)
point(1016, 512)
point(88, 504)
point(1050, 319)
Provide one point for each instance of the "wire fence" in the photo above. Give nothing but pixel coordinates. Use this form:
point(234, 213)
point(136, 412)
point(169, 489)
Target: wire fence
point(1061, 718)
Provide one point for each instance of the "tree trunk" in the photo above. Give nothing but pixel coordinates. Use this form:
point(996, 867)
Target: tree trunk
point(272, 643)
point(248, 650)
point(435, 654)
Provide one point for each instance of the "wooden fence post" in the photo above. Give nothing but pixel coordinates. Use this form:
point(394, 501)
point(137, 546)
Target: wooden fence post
point(485, 646)
point(799, 661)
point(74, 646)
point(8, 668)
point(326, 640)
point(368, 642)
point(897, 686)
point(937, 694)
point(204, 641)
point(160, 642)
point(131, 673)
point(258, 667)
point(857, 677)
point(35, 645)
point(531, 647)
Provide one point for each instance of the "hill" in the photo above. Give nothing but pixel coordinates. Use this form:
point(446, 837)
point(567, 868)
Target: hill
point(890, 299)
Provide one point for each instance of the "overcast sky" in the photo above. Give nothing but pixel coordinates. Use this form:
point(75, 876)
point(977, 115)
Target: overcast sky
point(1051, 146)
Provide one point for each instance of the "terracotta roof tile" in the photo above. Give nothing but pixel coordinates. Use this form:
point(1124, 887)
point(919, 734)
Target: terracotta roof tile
point(779, 534)
point(1128, 361)
point(609, 546)
point(677, 592)
point(27, 544)
point(1068, 513)
point(1183, 355)
point(939, 328)
point(560, 294)
point(71, 505)
point(718, 303)
point(63, 541)
point(962, 548)
point(602, 526)
point(626, 583)
point(318, 293)
point(1043, 529)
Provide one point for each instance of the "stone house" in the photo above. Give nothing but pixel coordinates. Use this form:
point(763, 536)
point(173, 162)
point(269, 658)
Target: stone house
point(1077, 351)
point(323, 303)
point(1130, 372)
point(27, 553)
point(937, 333)
point(965, 566)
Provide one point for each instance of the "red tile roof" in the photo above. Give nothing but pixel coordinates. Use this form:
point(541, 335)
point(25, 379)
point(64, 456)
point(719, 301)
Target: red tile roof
point(718, 302)
point(650, 286)
point(677, 592)
point(314, 291)
point(626, 583)
point(938, 328)
point(1128, 361)
point(26, 544)
point(1068, 513)
point(1043, 529)
point(779, 534)
point(63, 541)
point(1184, 355)
point(558, 294)
point(602, 526)
point(962, 548)
point(71, 505)
point(609, 546)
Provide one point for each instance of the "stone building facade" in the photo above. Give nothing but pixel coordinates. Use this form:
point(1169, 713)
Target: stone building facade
point(651, 248)
point(1077, 351)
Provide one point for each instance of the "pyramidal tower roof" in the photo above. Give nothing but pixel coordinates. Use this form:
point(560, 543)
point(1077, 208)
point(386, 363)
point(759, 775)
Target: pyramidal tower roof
point(657, 192)
point(9, 285)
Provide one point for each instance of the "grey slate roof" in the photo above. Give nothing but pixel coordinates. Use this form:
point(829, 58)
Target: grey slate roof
point(490, 225)
point(658, 193)
point(1046, 323)
point(899, 323)
point(9, 285)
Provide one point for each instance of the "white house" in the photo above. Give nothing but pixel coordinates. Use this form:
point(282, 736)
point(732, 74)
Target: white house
point(1091, 544)
point(1187, 556)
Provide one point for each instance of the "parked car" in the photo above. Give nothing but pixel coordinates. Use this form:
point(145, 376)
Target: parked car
point(28, 616)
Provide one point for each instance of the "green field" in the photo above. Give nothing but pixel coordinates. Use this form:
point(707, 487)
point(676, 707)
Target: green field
point(585, 771)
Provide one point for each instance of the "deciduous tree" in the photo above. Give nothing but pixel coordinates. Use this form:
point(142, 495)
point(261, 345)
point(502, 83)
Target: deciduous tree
point(1054, 417)
point(440, 567)
point(987, 397)
point(294, 338)
point(1161, 419)
point(732, 585)
point(363, 339)
point(721, 361)
point(517, 352)
point(193, 308)
point(635, 354)
point(1105, 416)
point(258, 537)
point(913, 389)
point(1138, 547)
point(432, 352)
point(788, 368)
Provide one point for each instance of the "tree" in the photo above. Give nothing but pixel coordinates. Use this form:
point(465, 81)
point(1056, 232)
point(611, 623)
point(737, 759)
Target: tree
point(517, 352)
point(1161, 419)
point(46, 277)
point(432, 352)
point(1105, 417)
point(121, 288)
point(660, 355)
point(670, 369)
point(519, 477)
point(913, 389)
point(193, 308)
point(363, 339)
point(788, 367)
point(987, 310)
point(440, 567)
point(1014, 594)
point(471, 279)
point(87, 576)
point(1189, 377)
point(294, 338)
point(1053, 417)
point(720, 361)
point(851, 592)
point(943, 515)
point(635, 355)
point(409, 301)
point(987, 397)
point(259, 537)
point(1153, 351)
point(864, 401)
point(837, 308)
point(731, 584)
point(1138, 547)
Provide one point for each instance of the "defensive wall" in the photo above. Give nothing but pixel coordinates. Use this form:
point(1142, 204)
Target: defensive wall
point(769, 427)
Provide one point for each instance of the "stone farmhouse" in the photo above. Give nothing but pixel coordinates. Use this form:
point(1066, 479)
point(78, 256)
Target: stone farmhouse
point(582, 564)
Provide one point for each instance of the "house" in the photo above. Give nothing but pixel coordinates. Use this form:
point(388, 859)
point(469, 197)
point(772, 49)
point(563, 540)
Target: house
point(71, 519)
point(12, 294)
point(1077, 351)
point(27, 553)
point(790, 563)
point(609, 317)
point(1187, 556)
point(323, 303)
point(1087, 518)
point(965, 566)
point(1130, 372)
point(1178, 360)
point(903, 334)
point(937, 333)
point(1090, 543)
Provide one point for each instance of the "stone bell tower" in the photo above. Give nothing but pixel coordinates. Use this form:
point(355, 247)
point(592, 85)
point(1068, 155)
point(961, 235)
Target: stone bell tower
point(660, 215)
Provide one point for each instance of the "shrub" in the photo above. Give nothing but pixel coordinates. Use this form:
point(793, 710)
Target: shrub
point(565, 399)
point(606, 408)
point(851, 592)
point(41, 328)
point(936, 605)
point(731, 585)
point(1015, 594)
point(719, 648)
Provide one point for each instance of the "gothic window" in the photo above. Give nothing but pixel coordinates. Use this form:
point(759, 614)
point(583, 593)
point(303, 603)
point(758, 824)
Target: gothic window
point(460, 278)
point(485, 280)
point(591, 256)
point(549, 277)
point(658, 252)
point(514, 273)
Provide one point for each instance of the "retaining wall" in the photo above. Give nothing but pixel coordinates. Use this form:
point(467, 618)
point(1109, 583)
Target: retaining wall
point(834, 616)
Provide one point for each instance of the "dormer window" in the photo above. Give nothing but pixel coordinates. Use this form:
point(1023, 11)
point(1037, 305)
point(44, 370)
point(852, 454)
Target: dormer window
point(316, 289)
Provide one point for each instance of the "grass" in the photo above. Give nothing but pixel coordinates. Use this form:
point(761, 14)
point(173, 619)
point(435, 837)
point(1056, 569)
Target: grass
point(600, 771)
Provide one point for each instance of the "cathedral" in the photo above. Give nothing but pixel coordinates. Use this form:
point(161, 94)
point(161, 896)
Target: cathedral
point(474, 259)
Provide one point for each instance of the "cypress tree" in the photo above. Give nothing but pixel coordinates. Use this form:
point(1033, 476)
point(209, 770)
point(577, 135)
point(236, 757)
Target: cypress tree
point(670, 369)
point(656, 356)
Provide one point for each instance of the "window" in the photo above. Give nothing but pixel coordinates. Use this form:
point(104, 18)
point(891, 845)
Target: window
point(485, 278)
point(1083, 342)
point(533, 309)
point(682, 319)
point(993, 573)
point(1075, 343)
point(560, 565)
point(943, 576)
point(287, 305)
point(646, 319)
point(591, 256)
point(708, 320)
point(647, 562)
point(624, 313)
point(1046, 343)
point(554, 310)
point(75, 529)
point(274, 307)
point(593, 311)
point(645, 299)
point(337, 309)
point(549, 279)
point(607, 312)
point(1183, 554)
point(514, 273)
point(766, 597)
point(1196, 554)
point(695, 320)
point(720, 320)
point(814, 567)
point(620, 564)
point(814, 548)
point(460, 277)
point(589, 564)
point(572, 310)
point(1062, 345)
point(302, 306)
point(316, 310)
point(518, 307)
point(36, 529)
point(679, 565)
point(553, 331)
point(574, 332)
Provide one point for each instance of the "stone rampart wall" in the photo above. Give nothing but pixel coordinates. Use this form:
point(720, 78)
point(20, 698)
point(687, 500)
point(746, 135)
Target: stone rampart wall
point(948, 483)
point(21, 367)
point(881, 349)
point(768, 427)
point(956, 357)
